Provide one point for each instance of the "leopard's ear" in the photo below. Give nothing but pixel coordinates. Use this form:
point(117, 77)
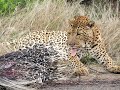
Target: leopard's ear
point(91, 24)
point(76, 17)
point(70, 22)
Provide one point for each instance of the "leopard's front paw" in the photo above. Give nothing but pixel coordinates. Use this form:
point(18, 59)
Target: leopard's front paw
point(81, 71)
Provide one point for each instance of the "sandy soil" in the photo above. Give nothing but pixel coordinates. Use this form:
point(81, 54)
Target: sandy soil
point(99, 79)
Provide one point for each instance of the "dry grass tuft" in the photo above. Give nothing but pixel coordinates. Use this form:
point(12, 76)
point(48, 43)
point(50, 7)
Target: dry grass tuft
point(50, 15)
point(53, 15)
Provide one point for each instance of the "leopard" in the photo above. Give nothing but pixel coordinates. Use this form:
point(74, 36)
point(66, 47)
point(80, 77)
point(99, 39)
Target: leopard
point(84, 37)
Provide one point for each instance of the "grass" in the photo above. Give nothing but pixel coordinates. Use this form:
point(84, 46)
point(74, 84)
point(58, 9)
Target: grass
point(8, 6)
point(54, 15)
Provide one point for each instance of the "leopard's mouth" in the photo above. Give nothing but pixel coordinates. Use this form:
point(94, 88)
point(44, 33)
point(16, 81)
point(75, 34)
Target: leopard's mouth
point(73, 51)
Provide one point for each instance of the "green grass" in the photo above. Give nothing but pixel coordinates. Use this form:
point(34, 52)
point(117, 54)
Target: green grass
point(8, 7)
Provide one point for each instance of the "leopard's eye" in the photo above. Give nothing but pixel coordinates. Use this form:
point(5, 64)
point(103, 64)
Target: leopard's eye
point(78, 27)
point(69, 33)
point(78, 33)
point(91, 24)
point(71, 25)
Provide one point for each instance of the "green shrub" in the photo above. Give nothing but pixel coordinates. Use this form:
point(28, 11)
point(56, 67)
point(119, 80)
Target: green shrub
point(8, 6)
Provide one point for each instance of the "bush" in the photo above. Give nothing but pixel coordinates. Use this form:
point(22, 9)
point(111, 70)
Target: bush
point(8, 6)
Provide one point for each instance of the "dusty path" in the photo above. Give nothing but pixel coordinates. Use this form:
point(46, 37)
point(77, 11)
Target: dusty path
point(91, 82)
point(103, 86)
point(86, 87)
point(95, 81)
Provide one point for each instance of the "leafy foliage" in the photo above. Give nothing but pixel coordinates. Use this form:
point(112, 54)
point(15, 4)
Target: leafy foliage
point(8, 6)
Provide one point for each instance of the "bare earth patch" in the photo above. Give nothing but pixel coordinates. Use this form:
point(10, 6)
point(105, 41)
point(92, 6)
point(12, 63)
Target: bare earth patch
point(101, 80)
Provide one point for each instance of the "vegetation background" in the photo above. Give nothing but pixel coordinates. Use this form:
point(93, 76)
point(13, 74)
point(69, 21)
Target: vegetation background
point(18, 17)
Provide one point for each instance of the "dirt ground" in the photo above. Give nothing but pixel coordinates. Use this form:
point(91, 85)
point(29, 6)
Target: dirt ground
point(99, 83)
point(91, 82)
point(86, 87)
point(99, 79)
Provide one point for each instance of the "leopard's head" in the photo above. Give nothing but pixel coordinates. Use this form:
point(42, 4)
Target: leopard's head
point(80, 29)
